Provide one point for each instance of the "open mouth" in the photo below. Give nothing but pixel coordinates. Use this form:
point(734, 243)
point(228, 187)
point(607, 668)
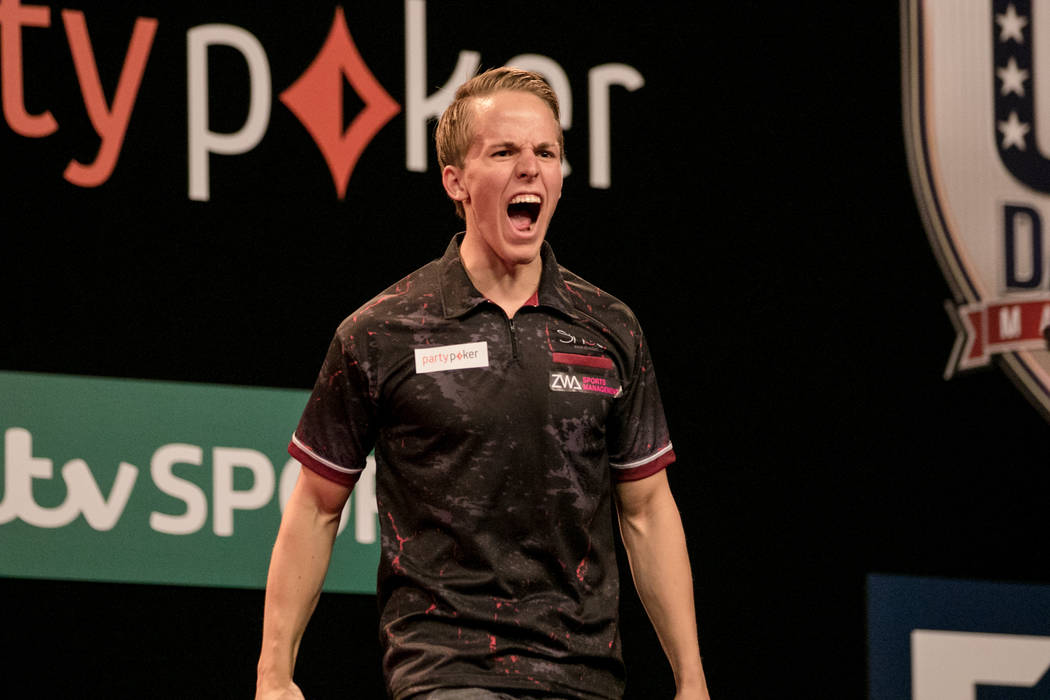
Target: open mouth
point(523, 210)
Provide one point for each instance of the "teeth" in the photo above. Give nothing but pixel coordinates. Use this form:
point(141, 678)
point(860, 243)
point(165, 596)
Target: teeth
point(526, 199)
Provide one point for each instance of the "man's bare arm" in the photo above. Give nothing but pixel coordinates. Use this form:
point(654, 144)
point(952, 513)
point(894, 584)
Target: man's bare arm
point(293, 586)
point(655, 542)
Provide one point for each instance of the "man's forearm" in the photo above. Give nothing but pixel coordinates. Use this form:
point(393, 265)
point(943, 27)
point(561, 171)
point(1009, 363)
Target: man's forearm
point(293, 586)
point(655, 542)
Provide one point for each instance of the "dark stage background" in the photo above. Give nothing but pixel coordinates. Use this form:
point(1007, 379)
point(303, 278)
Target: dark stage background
point(760, 222)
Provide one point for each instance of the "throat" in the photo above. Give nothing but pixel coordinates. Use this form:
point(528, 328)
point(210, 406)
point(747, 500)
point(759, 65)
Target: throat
point(511, 306)
point(512, 294)
point(508, 289)
point(503, 280)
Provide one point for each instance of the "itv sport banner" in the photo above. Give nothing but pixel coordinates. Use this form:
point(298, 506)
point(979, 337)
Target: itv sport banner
point(157, 482)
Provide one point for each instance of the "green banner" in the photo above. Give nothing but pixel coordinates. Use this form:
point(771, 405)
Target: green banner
point(157, 482)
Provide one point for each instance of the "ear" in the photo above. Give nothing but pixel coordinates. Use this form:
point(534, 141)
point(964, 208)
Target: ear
point(452, 179)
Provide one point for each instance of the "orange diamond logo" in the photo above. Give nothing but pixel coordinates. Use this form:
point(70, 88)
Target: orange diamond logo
point(316, 98)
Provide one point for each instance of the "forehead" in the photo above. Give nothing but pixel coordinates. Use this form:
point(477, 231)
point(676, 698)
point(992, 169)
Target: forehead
point(513, 114)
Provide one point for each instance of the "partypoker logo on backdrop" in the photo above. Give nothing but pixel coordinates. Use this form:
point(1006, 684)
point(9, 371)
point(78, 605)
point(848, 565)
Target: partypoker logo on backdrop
point(977, 121)
point(315, 97)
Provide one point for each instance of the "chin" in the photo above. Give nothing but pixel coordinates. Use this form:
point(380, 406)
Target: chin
point(522, 251)
point(533, 237)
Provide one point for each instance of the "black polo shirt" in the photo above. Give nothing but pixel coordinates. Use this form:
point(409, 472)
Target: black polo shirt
point(497, 442)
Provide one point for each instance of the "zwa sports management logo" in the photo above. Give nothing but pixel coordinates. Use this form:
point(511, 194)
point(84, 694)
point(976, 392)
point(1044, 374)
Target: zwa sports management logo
point(977, 121)
point(315, 98)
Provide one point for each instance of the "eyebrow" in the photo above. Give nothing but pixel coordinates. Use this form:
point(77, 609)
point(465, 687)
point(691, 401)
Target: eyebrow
point(544, 146)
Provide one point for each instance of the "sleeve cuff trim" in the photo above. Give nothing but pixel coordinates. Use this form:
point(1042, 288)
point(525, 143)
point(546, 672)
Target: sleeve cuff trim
point(326, 468)
point(646, 467)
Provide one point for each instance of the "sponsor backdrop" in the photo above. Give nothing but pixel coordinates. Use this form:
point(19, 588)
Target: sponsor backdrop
point(195, 194)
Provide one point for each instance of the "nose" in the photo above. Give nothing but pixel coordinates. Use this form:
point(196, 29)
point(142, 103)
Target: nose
point(528, 165)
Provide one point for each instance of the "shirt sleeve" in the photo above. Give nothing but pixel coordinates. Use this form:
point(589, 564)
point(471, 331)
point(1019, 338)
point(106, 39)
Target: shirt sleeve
point(639, 442)
point(337, 429)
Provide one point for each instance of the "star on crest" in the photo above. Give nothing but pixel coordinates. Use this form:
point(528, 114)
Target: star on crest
point(1011, 25)
point(1014, 131)
point(1013, 78)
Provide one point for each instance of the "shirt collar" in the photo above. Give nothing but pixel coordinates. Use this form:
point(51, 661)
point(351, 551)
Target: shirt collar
point(459, 295)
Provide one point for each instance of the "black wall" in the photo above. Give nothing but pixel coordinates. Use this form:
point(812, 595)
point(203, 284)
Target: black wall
point(761, 223)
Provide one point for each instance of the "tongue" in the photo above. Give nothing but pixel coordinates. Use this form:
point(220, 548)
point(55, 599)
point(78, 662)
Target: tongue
point(520, 221)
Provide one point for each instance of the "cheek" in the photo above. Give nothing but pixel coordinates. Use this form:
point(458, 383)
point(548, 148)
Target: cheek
point(555, 190)
point(554, 180)
point(485, 189)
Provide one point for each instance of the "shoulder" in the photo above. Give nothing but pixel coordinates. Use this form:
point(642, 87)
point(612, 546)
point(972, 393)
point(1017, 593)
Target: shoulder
point(405, 298)
point(599, 306)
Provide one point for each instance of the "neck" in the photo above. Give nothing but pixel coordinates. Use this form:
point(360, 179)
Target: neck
point(508, 285)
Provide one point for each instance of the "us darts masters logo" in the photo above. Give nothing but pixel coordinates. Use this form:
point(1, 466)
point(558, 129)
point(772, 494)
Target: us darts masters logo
point(977, 122)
